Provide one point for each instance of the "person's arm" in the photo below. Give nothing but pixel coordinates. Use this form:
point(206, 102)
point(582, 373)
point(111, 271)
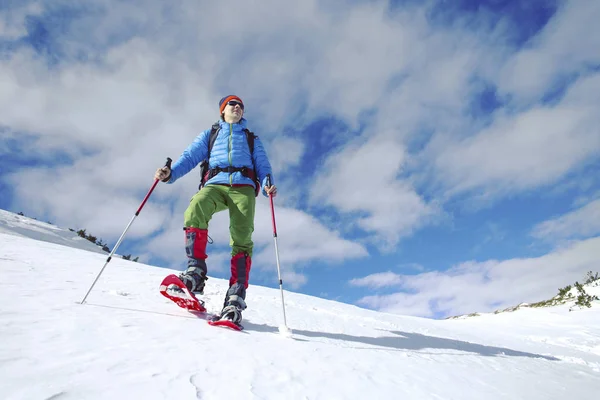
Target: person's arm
point(191, 156)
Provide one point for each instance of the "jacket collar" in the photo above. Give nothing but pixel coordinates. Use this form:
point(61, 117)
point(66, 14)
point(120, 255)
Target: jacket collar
point(241, 123)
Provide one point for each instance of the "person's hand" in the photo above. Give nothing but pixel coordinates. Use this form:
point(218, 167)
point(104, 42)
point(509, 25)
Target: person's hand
point(163, 174)
point(271, 190)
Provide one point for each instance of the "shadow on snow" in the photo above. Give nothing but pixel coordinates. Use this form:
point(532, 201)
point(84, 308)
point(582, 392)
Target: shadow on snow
point(401, 340)
point(408, 341)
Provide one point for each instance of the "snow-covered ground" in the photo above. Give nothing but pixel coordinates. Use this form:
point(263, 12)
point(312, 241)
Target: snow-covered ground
point(28, 227)
point(129, 342)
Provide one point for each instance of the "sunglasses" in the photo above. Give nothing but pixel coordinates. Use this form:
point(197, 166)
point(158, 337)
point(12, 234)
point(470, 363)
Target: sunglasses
point(234, 103)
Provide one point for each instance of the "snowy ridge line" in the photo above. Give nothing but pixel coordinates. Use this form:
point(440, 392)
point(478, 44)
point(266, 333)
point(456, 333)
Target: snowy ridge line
point(570, 298)
point(23, 226)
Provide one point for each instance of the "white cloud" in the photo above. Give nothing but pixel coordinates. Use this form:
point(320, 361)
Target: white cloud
point(145, 98)
point(567, 44)
point(527, 150)
point(487, 286)
point(12, 21)
point(580, 223)
point(154, 78)
point(378, 280)
point(528, 144)
point(86, 201)
point(301, 237)
point(285, 152)
point(362, 178)
point(291, 279)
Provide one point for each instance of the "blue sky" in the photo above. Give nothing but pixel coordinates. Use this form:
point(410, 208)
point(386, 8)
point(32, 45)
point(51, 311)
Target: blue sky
point(422, 150)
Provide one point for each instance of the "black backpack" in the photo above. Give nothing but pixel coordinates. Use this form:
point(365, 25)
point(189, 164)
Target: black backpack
point(206, 173)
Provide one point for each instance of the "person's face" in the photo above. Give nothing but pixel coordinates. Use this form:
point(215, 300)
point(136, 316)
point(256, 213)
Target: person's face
point(233, 112)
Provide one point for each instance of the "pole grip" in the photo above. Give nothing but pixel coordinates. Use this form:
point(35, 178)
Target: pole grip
point(167, 164)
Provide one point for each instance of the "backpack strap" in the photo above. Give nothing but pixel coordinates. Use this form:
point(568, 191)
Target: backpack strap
point(250, 136)
point(204, 171)
point(214, 132)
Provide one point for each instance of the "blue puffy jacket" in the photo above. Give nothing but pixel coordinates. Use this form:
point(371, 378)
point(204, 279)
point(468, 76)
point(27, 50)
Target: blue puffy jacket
point(230, 149)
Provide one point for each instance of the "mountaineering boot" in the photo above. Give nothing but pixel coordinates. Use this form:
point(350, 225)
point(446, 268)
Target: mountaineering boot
point(194, 279)
point(194, 276)
point(232, 311)
point(235, 297)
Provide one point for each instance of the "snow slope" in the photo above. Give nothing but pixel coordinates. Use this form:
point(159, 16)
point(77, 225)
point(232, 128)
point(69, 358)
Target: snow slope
point(129, 342)
point(28, 227)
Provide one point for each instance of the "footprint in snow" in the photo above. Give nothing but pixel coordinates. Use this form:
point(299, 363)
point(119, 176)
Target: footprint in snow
point(119, 293)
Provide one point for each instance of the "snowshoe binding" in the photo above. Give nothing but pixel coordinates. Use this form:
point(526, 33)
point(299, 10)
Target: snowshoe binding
point(175, 290)
point(231, 315)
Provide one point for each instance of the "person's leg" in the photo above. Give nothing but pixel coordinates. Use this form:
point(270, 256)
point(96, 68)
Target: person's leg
point(242, 202)
point(202, 207)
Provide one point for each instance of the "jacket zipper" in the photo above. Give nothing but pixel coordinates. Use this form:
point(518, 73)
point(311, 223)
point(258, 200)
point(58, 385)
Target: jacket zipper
point(229, 155)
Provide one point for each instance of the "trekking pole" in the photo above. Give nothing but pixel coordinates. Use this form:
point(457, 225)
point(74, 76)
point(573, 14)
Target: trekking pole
point(168, 164)
point(285, 328)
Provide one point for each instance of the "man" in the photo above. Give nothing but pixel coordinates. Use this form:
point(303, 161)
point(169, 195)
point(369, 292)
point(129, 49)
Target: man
point(230, 186)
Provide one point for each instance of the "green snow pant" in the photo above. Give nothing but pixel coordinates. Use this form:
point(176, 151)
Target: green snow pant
point(239, 200)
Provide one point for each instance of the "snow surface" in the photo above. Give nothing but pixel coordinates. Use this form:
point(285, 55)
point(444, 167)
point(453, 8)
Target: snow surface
point(28, 227)
point(129, 342)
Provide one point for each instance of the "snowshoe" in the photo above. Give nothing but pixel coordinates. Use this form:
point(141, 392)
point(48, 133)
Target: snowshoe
point(175, 290)
point(231, 317)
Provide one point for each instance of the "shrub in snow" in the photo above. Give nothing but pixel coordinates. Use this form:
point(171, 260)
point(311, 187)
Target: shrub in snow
point(584, 299)
point(592, 279)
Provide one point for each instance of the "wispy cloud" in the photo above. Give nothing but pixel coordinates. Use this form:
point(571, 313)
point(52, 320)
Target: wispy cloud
point(12, 21)
point(582, 222)
point(292, 279)
point(547, 124)
point(302, 237)
point(564, 48)
point(286, 153)
point(487, 286)
point(378, 280)
point(362, 179)
point(527, 150)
